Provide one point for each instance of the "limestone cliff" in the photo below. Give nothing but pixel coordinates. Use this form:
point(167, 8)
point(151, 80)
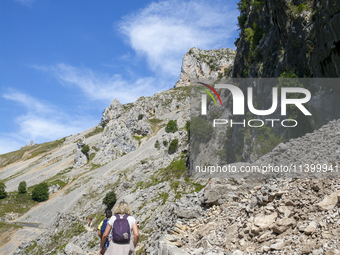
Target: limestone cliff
point(278, 36)
point(211, 64)
point(289, 39)
point(125, 125)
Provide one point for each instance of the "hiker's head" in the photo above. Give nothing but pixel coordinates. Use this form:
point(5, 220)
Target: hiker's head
point(122, 208)
point(108, 213)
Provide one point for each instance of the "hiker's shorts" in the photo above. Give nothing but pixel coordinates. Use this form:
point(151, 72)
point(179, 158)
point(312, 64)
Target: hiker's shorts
point(120, 249)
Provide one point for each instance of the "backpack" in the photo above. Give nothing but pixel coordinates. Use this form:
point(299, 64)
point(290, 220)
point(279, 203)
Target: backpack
point(102, 229)
point(121, 232)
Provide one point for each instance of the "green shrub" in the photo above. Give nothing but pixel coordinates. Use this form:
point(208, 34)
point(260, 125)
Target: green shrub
point(3, 192)
point(157, 144)
point(110, 199)
point(164, 197)
point(249, 33)
point(96, 131)
point(165, 143)
point(92, 155)
point(173, 146)
point(242, 19)
point(299, 9)
point(95, 148)
point(85, 149)
point(140, 116)
point(171, 127)
point(154, 121)
point(40, 192)
point(175, 170)
point(22, 187)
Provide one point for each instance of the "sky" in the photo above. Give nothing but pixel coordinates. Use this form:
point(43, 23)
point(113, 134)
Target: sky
point(62, 62)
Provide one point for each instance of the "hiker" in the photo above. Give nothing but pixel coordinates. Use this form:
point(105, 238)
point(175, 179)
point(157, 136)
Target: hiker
point(90, 222)
point(103, 223)
point(121, 224)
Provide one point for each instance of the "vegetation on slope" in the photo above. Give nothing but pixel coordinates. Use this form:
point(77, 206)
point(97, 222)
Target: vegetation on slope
point(16, 203)
point(28, 152)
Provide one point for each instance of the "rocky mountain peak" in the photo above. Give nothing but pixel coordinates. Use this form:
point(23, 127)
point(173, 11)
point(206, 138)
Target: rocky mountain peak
point(115, 103)
point(216, 63)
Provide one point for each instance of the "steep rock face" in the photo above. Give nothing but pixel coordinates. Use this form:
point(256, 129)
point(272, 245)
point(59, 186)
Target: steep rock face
point(210, 64)
point(277, 36)
point(290, 39)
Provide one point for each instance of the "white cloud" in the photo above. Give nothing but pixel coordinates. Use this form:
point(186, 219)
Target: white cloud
point(165, 30)
point(42, 122)
point(103, 87)
point(30, 103)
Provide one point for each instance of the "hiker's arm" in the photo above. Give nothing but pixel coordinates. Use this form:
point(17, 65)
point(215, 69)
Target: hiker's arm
point(135, 233)
point(99, 234)
point(105, 235)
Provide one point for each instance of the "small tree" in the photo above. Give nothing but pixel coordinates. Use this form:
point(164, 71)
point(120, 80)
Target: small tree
point(173, 146)
point(22, 187)
point(171, 127)
point(40, 192)
point(110, 199)
point(85, 149)
point(3, 192)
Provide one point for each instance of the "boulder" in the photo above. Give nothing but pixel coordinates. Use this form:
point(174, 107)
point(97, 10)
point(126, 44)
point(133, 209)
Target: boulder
point(72, 249)
point(328, 202)
point(187, 213)
point(283, 224)
point(237, 252)
point(169, 249)
point(265, 221)
point(333, 252)
point(310, 228)
point(307, 248)
point(278, 245)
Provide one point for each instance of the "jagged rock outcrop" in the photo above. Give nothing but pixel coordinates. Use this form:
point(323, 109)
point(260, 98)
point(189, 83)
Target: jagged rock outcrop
point(170, 221)
point(53, 189)
point(211, 64)
point(80, 158)
point(125, 125)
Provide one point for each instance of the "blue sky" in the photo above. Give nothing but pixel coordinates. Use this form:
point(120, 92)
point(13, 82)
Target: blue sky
point(62, 62)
